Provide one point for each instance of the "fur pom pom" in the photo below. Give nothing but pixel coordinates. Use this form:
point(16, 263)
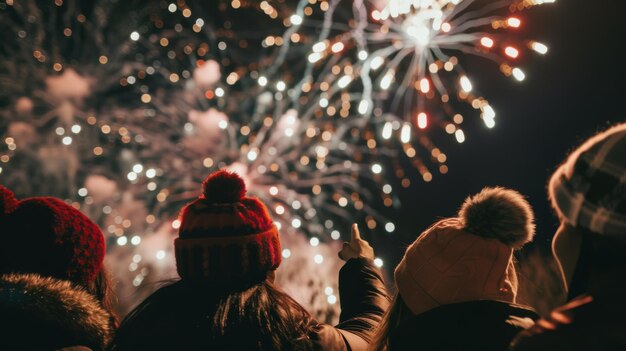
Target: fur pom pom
point(499, 213)
point(223, 187)
point(7, 200)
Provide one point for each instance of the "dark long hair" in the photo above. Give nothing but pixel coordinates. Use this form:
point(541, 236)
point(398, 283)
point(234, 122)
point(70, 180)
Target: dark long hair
point(102, 289)
point(397, 313)
point(187, 315)
point(280, 322)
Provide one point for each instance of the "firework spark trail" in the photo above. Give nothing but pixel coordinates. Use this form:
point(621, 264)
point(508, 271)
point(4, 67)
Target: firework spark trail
point(314, 119)
point(109, 129)
point(410, 70)
point(291, 137)
point(299, 162)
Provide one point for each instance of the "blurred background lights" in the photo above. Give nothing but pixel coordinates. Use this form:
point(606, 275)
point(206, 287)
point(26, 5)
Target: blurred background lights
point(122, 240)
point(314, 241)
point(286, 253)
point(378, 262)
point(322, 121)
point(390, 227)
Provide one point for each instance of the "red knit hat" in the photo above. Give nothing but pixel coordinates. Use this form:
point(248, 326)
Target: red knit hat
point(46, 236)
point(226, 237)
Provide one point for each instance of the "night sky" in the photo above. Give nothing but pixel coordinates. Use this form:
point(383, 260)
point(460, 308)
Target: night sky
point(575, 90)
point(569, 94)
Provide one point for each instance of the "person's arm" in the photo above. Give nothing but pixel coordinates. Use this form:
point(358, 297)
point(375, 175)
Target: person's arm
point(362, 292)
point(363, 298)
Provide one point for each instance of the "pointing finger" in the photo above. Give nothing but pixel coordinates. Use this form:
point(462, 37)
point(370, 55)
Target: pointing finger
point(356, 235)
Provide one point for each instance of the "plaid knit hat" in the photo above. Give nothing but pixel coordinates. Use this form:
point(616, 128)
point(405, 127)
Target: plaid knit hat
point(46, 236)
point(225, 237)
point(589, 189)
point(470, 257)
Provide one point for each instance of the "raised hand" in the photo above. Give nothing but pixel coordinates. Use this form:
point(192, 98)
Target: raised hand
point(356, 247)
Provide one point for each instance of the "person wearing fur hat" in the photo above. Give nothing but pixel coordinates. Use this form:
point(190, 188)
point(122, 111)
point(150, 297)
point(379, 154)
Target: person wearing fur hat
point(54, 292)
point(588, 194)
point(227, 253)
point(457, 283)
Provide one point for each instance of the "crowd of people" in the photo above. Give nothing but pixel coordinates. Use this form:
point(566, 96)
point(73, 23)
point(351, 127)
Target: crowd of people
point(455, 288)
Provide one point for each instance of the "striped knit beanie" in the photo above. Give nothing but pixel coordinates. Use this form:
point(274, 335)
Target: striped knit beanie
point(226, 238)
point(589, 189)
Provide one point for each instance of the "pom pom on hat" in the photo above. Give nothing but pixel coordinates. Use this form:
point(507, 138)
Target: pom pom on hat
point(223, 187)
point(499, 213)
point(7, 200)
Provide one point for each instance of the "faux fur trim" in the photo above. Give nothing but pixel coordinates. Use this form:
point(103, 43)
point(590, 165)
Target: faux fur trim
point(32, 304)
point(499, 213)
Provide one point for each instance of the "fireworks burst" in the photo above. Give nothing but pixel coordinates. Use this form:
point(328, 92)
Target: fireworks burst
point(284, 124)
point(413, 71)
point(128, 106)
point(129, 139)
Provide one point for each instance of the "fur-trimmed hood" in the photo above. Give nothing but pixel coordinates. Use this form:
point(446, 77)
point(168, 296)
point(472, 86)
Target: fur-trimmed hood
point(39, 313)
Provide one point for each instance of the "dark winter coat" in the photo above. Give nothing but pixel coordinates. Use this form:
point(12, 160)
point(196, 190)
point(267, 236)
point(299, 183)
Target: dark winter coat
point(362, 296)
point(474, 325)
point(43, 314)
point(364, 301)
point(585, 323)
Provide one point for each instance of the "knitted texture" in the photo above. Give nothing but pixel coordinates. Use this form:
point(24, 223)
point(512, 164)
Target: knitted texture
point(447, 265)
point(468, 258)
point(46, 236)
point(589, 189)
point(226, 237)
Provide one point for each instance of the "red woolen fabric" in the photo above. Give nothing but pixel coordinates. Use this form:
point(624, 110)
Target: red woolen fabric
point(226, 236)
point(44, 235)
point(7, 200)
point(229, 260)
point(223, 187)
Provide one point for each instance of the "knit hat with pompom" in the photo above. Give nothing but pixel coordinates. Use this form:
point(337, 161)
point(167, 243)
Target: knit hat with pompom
point(470, 257)
point(44, 235)
point(226, 238)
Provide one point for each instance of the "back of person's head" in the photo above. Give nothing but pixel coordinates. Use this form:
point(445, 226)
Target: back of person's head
point(46, 237)
point(467, 258)
point(226, 237)
point(588, 193)
point(226, 254)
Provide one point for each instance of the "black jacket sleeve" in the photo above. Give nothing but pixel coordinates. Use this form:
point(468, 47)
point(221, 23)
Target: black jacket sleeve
point(363, 299)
